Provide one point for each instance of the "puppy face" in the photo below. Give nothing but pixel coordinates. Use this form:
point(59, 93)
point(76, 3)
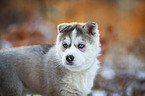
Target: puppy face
point(78, 45)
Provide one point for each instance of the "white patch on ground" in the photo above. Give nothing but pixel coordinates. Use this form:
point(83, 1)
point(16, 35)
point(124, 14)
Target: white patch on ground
point(140, 75)
point(99, 93)
point(32, 95)
point(132, 63)
point(129, 91)
point(107, 73)
point(116, 94)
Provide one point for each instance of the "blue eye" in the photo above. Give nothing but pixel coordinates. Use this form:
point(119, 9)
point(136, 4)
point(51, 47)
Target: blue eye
point(81, 46)
point(65, 45)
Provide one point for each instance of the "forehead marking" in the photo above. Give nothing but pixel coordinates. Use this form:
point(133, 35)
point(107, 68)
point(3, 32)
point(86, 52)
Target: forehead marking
point(74, 34)
point(67, 40)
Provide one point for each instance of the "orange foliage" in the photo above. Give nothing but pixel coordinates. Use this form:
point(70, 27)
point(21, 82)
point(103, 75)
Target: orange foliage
point(116, 22)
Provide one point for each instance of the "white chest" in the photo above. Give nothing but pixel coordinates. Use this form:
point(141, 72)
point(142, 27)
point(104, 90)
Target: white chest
point(81, 81)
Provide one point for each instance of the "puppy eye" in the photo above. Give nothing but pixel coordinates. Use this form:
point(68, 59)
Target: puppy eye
point(81, 46)
point(65, 45)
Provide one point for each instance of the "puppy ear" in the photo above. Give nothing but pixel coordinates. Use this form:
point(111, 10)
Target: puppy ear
point(91, 28)
point(63, 27)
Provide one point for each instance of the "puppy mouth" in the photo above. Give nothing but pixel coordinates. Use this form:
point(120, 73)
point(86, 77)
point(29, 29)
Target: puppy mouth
point(70, 63)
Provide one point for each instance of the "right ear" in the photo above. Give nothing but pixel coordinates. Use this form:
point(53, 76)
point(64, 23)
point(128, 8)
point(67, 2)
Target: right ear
point(91, 28)
point(63, 27)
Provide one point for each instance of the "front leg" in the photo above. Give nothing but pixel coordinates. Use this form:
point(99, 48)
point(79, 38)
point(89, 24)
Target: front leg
point(69, 91)
point(10, 86)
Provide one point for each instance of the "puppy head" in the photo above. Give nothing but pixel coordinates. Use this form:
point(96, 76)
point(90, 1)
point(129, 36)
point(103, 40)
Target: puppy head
point(78, 45)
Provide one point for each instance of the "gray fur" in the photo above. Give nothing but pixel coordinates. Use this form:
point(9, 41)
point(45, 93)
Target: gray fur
point(19, 65)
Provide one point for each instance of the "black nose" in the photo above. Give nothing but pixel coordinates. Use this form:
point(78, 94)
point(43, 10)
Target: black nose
point(69, 58)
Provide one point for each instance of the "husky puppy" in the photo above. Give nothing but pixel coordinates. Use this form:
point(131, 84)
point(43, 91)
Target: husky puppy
point(65, 69)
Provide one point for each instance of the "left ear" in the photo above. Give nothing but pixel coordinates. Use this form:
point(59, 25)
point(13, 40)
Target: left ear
point(91, 27)
point(63, 27)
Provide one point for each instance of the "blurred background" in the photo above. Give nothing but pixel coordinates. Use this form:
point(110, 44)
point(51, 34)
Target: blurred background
point(122, 30)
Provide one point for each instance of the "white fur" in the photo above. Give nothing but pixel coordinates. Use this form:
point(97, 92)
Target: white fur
point(83, 80)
